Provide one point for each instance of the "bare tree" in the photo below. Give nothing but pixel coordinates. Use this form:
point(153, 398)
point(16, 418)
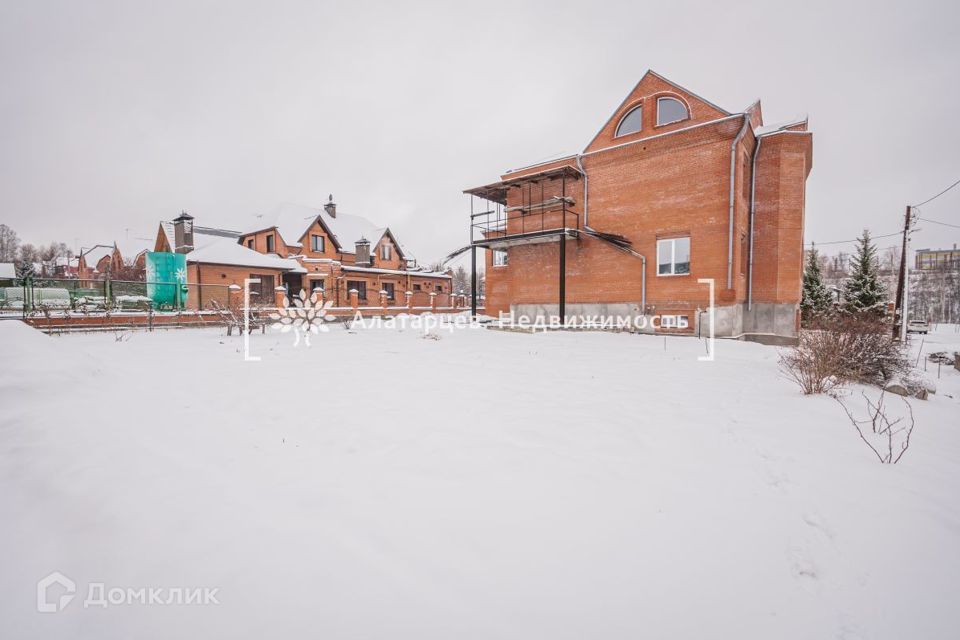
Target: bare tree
point(888, 438)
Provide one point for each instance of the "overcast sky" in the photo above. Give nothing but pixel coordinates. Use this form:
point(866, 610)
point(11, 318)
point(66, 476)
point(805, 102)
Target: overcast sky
point(114, 115)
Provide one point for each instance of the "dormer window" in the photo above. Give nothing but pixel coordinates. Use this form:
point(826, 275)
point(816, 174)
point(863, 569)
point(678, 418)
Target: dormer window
point(385, 251)
point(670, 110)
point(630, 123)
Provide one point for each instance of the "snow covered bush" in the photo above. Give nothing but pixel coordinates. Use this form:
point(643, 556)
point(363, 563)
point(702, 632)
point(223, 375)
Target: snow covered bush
point(844, 348)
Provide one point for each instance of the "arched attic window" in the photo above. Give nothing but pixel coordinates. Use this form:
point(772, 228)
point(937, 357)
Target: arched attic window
point(670, 110)
point(630, 123)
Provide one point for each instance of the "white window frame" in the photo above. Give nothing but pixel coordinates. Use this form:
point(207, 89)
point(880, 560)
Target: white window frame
point(385, 251)
point(313, 245)
point(501, 258)
point(616, 131)
point(673, 256)
point(685, 106)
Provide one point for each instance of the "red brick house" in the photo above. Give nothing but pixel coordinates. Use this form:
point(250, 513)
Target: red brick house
point(340, 252)
point(671, 190)
point(301, 248)
point(216, 261)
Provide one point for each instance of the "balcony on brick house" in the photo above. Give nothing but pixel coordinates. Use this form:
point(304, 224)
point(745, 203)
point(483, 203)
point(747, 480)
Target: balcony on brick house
point(529, 209)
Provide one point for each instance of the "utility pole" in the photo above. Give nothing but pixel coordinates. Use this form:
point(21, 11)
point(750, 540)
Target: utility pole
point(900, 305)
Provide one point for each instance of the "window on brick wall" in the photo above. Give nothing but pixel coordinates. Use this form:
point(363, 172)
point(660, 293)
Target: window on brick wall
point(263, 290)
point(360, 286)
point(673, 257)
point(317, 243)
point(389, 288)
point(499, 258)
point(271, 244)
point(318, 285)
point(385, 251)
point(670, 110)
point(630, 123)
point(250, 243)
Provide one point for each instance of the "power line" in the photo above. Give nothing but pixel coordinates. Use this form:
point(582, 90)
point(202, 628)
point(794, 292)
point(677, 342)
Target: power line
point(872, 237)
point(946, 224)
point(936, 196)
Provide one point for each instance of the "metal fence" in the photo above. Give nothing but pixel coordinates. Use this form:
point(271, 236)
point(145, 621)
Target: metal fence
point(34, 295)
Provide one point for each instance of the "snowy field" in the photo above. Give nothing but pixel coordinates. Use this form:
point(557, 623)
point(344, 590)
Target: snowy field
point(483, 485)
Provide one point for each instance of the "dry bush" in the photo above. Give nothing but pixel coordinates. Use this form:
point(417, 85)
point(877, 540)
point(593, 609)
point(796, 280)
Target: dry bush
point(843, 348)
point(887, 437)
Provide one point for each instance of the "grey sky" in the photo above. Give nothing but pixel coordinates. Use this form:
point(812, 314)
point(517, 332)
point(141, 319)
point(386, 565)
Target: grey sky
point(114, 115)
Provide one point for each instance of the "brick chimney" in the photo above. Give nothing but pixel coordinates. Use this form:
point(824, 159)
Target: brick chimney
point(331, 207)
point(363, 252)
point(183, 233)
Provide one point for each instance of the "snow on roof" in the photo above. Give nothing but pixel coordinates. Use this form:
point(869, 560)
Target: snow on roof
point(227, 251)
point(7, 270)
point(770, 128)
point(423, 274)
point(201, 235)
point(293, 220)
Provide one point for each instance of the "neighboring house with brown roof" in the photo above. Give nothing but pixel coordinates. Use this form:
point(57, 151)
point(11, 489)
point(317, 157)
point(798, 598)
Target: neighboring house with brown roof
point(341, 252)
point(215, 261)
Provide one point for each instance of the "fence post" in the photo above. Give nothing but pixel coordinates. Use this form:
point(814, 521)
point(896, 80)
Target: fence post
point(354, 299)
point(279, 293)
point(383, 299)
point(408, 295)
point(433, 301)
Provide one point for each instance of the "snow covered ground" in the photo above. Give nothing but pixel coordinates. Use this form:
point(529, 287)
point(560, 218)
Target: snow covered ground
point(483, 485)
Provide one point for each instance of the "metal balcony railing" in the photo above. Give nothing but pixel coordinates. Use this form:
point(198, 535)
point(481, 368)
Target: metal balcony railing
point(540, 218)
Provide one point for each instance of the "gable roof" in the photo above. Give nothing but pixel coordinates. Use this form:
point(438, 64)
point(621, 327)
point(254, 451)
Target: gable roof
point(292, 221)
point(95, 254)
point(130, 248)
point(633, 90)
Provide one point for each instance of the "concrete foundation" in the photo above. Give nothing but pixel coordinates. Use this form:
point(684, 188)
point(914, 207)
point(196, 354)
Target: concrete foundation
point(764, 322)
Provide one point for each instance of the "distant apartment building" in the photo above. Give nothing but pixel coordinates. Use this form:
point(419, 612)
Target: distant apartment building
point(935, 259)
point(673, 190)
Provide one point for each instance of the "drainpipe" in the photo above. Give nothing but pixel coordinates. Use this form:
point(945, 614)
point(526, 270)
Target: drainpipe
point(733, 175)
point(643, 258)
point(583, 172)
point(753, 211)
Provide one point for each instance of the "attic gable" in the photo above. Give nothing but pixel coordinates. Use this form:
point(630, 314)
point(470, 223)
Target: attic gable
point(645, 95)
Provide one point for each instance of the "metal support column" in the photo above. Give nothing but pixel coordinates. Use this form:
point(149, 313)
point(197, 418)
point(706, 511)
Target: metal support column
point(473, 281)
point(563, 278)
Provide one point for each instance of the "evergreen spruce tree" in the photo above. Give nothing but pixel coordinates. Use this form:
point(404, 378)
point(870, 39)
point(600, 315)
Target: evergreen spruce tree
point(816, 299)
point(863, 291)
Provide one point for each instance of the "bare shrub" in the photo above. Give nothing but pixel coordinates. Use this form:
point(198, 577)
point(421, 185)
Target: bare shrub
point(888, 438)
point(843, 348)
point(813, 364)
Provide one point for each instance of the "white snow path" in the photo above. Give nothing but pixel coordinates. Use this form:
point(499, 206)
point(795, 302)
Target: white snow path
point(484, 485)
